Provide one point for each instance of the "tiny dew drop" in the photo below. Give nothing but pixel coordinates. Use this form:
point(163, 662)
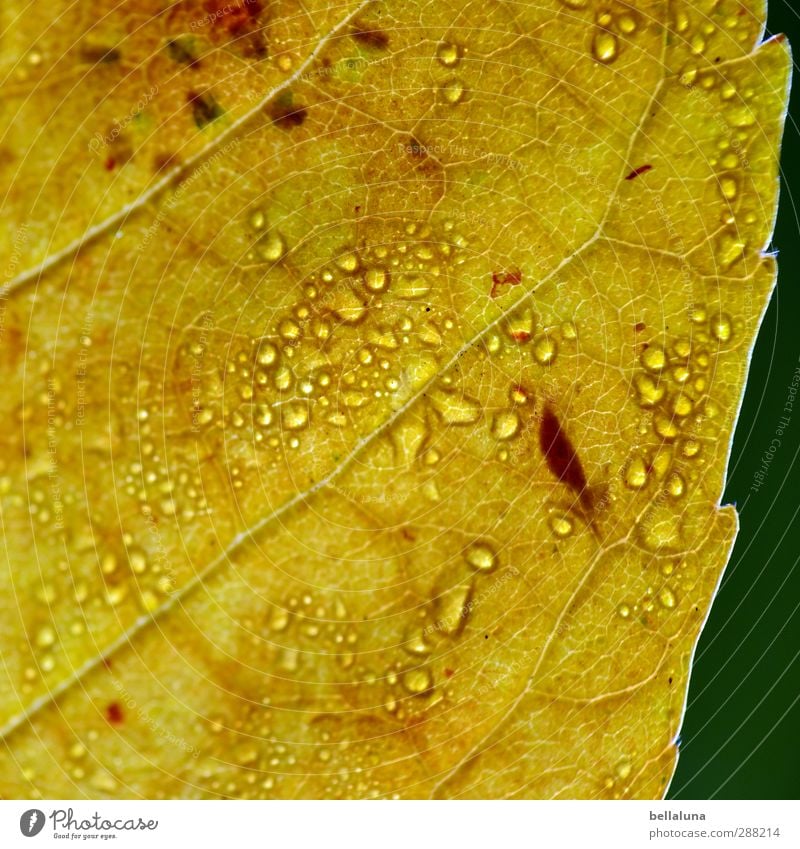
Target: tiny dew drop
point(295, 416)
point(654, 359)
point(676, 486)
point(417, 645)
point(636, 473)
point(505, 425)
point(545, 349)
point(604, 46)
point(45, 637)
point(452, 92)
point(562, 526)
point(376, 279)
point(667, 598)
point(721, 328)
point(418, 681)
point(271, 247)
point(448, 54)
point(481, 557)
point(650, 390)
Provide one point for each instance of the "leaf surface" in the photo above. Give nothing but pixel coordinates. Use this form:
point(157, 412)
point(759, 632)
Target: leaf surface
point(370, 374)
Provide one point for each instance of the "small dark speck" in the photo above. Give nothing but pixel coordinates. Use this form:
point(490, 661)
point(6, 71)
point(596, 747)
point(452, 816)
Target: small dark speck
point(97, 53)
point(287, 116)
point(375, 39)
point(180, 52)
point(205, 108)
point(114, 713)
point(642, 169)
point(485, 636)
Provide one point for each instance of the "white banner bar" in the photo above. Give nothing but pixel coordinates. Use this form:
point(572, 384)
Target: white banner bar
point(402, 825)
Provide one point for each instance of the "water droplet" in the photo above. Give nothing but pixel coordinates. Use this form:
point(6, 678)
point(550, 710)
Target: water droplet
point(289, 660)
point(562, 526)
point(545, 349)
point(417, 645)
point(676, 486)
point(636, 473)
point(376, 279)
point(682, 405)
point(721, 328)
point(505, 424)
point(667, 598)
point(453, 609)
point(138, 561)
point(626, 23)
point(605, 46)
point(650, 390)
point(348, 307)
point(418, 681)
point(682, 348)
point(347, 262)
point(448, 54)
point(665, 426)
point(270, 247)
point(660, 528)
point(519, 395)
point(481, 557)
point(654, 359)
point(258, 220)
point(412, 286)
point(294, 416)
point(45, 637)
point(267, 354)
point(452, 91)
point(108, 564)
point(455, 409)
point(741, 116)
point(623, 769)
point(681, 374)
point(690, 448)
point(289, 330)
point(283, 378)
point(624, 611)
point(519, 328)
point(729, 249)
point(728, 187)
point(697, 44)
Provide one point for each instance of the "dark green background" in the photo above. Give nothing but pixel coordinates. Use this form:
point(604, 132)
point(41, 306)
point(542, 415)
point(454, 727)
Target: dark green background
point(741, 734)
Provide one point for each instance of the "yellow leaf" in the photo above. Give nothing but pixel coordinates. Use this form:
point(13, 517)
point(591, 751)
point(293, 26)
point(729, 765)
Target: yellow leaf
point(369, 378)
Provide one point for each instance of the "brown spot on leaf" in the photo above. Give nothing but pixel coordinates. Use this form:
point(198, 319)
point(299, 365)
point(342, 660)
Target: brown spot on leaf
point(374, 39)
point(205, 108)
point(561, 457)
point(642, 169)
point(240, 20)
point(504, 278)
point(287, 116)
point(96, 54)
point(114, 713)
point(180, 51)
